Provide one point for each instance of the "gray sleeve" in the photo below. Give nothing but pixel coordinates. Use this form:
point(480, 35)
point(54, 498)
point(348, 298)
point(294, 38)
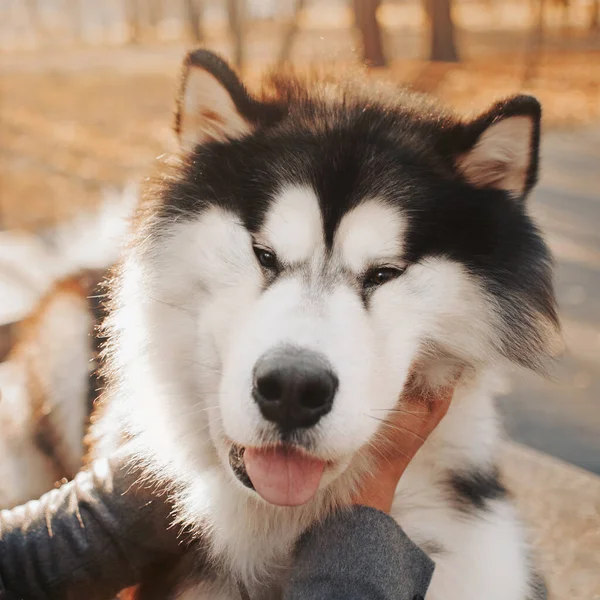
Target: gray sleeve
point(87, 539)
point(361, 554)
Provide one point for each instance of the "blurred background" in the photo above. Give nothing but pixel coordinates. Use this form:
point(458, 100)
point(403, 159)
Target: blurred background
point(86, 94)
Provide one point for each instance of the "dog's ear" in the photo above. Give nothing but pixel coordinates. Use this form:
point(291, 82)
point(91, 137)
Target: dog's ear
point(500, 149)
point(213, 104)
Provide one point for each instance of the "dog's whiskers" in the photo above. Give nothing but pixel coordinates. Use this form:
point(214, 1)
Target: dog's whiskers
point(208, 367)
point(398, 427)
point(196, 410)
point(172, 305)
point(385, 457)
point(402, 411)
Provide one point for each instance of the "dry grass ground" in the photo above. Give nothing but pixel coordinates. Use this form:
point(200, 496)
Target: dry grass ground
point(66, 133)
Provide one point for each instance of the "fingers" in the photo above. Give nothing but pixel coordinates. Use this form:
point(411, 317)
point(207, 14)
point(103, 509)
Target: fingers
point(440, 404)
point(408, 425)
point(402, 434)
point(426, 409)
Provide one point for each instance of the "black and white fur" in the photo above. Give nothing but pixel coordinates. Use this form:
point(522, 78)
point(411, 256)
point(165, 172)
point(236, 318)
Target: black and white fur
point(337, 180)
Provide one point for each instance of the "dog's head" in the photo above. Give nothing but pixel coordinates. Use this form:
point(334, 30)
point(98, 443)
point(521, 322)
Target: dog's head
point(315, 247)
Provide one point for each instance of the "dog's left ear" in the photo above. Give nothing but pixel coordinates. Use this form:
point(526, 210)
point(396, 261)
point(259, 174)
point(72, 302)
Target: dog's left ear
point(500, 149)
point(213, 104)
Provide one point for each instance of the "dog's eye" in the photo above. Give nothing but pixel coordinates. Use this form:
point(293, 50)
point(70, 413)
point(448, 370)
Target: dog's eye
point(266, 258)
point(381, 275)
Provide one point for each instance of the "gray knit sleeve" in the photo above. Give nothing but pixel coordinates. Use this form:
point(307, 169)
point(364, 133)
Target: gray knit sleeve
point(356, 554)
point(87, 539)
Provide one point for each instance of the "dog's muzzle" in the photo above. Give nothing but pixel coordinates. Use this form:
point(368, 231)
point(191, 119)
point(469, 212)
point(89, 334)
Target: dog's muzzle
point(236, 462)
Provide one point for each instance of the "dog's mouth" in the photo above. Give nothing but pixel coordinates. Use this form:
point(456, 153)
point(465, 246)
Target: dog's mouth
point(283, 475)
point(236, 462)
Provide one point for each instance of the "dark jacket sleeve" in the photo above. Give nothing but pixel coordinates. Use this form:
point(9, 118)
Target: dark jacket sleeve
point(359, 553)
point(87, 539)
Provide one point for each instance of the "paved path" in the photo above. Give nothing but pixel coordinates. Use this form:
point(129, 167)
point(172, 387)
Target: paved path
point(560, 505)
point(562, 417)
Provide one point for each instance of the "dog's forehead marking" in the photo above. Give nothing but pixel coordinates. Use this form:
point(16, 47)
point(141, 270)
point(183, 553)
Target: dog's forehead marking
point(294, 227)
point(370, 232)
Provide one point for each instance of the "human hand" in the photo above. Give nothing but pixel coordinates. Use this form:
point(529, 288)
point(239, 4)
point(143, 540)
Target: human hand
point(402, 434)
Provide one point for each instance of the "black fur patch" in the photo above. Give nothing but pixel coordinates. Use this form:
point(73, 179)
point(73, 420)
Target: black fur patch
point(539, 591)
point(473, 490)
point(432, 548)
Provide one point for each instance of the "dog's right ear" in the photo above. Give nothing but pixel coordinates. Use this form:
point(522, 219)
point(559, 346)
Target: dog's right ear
point(212, 104)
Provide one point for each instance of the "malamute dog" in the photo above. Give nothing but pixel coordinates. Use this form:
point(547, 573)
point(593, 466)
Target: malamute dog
point(315, 248)
point(49, 308)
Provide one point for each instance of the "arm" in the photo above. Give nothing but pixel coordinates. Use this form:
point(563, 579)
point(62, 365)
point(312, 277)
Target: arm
point(89, 538)
point(358, 554)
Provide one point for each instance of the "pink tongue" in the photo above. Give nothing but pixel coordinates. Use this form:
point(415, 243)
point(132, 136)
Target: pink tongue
point(283, 476)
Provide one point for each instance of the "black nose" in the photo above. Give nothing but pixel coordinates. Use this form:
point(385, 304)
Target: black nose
point(294, 388)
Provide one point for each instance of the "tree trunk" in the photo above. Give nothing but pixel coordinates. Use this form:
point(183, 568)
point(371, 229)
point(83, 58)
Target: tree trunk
point(134, 20)
point(365, 14)
point(235, 10)
point(193, 16)
point(595, 16)
point(442, 31)
point(154, 15)
point(291, 33)
point(566, 13)
point(536, 43)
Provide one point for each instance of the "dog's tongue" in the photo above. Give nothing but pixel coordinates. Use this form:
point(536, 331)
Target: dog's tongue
point(283, 476)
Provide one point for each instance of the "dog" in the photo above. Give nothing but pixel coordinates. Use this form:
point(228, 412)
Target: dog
point(47, 387)
point(51, 304)
point(315, 248)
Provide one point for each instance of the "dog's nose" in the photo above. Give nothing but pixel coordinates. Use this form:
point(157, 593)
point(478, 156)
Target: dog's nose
point(294, 388)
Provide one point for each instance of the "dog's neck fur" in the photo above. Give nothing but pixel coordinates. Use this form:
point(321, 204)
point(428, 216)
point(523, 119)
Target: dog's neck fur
point(258, 548)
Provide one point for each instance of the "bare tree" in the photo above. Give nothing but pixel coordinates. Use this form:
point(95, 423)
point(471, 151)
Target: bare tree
point(536, 41)
point(595, 15)
point(291, 33)
point(564, 6)
point(442, 31)
point(236, 13)
point(133, 16)
point(154, 10)
point(193, 17)
point(365, 14)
